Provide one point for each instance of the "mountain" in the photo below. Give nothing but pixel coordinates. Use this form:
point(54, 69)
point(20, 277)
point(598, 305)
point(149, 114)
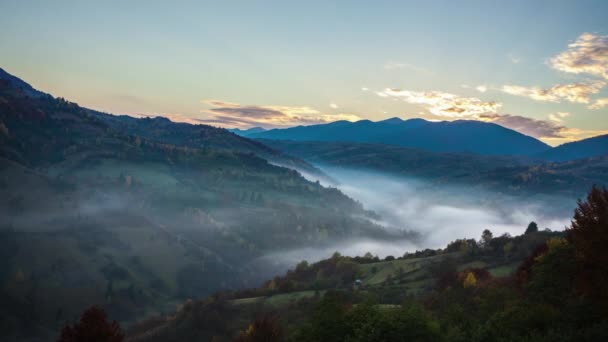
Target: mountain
point(17, 84)
point(455, 136)
point(111, 210)
point(586, 148)
point(360, 131)
point(200, 136)
point(247, 132)
point(515, 175)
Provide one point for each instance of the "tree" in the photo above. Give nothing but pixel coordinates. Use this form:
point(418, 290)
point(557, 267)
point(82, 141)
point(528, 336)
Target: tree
point(265, 329)
point(589, 235)
point(469, 281)
point(93, 327)
point(532, 228)
point(302, 266)
point(486, 237)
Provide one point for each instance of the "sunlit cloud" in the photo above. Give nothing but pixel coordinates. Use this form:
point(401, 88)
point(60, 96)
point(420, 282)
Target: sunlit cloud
point(558, 117)
point(230, 114)
point(443, 104)
point(481, 88)
point(599, 103)
point(574, 92)
point(574, 134)
point(587, 55)
point(333, 105)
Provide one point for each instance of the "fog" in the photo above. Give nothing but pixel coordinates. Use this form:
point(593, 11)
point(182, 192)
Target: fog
point(439, 213)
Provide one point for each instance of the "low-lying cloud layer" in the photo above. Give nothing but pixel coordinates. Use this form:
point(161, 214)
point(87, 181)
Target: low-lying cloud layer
point(237, 115)
point(440, 215)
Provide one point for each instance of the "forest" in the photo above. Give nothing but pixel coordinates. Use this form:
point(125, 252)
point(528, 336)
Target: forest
point(540, 286)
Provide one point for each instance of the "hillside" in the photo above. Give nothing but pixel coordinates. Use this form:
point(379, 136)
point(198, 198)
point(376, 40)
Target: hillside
point(456, 136)
point(513, 175)
point(586, 148)
point(199, 136)
point(96, 215)
point(247, 132)
point(425, 278)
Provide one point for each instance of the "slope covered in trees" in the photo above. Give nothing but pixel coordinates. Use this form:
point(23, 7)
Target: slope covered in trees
point(513, 175)
point(94, 214)
point(541, 286)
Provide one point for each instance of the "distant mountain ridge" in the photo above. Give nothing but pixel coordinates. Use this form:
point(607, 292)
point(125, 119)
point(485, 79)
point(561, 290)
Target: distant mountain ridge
point(247, 132)
point(445, 136)
point(586, 148)
point(18, 84)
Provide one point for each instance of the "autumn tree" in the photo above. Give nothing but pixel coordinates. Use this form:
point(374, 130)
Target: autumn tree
point(264, 329)
point(589, 235)
point(92, 327)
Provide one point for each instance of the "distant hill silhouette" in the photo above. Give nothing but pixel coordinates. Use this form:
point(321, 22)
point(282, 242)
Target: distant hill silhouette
point(445, 136)
point(591, 147)
point(247, 132)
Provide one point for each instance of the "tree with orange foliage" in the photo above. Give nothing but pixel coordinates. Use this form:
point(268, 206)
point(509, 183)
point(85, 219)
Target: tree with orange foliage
point(589, 235)
point(93, 327)
point(264, 329)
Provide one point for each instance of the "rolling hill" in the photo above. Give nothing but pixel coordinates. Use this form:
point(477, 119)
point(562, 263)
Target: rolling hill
point(586, 148)
point(504, 174)
point(456, 136)
point(96, 209)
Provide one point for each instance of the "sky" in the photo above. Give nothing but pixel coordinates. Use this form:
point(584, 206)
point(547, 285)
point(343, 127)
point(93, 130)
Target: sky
point(540, 67)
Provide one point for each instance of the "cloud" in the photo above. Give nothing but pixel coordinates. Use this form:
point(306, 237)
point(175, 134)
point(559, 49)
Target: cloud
point(333, 105)
point(550, 132)
point(391, 65)
point(574, 92)
point(574, 134)
point(236, 115)
point(443, 104)
point(587, 55)
point(481, 88)
point(558, 117)
point(528, 126)
point(513, 58)
point(599, 103)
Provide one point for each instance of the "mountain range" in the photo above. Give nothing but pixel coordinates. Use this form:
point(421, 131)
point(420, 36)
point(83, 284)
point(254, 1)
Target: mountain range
point(460, 136)
point(139, 214)
point(455, 136)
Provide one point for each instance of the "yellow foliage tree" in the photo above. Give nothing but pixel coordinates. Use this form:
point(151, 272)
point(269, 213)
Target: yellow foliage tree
point(469, 281)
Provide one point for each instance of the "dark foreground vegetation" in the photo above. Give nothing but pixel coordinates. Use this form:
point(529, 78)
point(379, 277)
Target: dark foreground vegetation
point(541, 286)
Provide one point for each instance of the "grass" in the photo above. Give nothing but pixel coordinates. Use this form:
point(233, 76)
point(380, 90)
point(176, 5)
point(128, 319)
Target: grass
point(504, 270)
point(277, 300)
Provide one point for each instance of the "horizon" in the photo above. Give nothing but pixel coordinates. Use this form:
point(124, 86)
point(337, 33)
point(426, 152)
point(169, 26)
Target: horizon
point(266, 128)
point(357, 62)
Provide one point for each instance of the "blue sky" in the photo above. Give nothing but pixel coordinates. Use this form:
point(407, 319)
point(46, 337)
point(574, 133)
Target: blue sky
point(536, 66)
